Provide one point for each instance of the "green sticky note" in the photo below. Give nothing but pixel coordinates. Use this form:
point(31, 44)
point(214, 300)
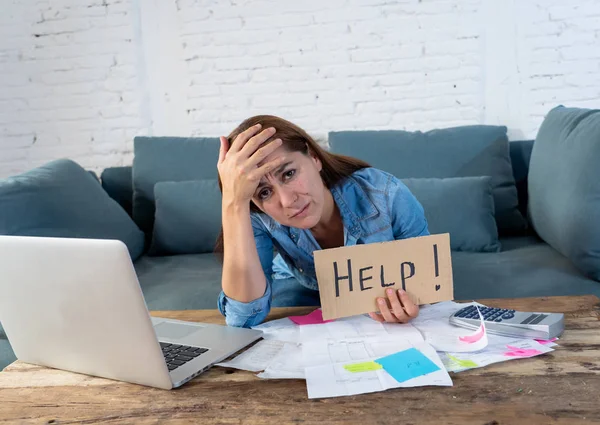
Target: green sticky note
point(362, 367)
point(463, 363)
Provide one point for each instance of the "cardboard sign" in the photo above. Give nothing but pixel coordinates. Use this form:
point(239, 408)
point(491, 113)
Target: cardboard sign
point(351, 278)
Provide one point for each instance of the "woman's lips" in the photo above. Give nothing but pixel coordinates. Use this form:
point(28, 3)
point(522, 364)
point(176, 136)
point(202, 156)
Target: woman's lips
point(301, 211)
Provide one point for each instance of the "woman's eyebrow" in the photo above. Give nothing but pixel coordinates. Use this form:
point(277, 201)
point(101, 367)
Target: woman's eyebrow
point(278, 171)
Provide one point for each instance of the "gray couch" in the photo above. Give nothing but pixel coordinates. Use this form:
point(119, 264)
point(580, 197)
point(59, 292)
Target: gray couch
point(524, 266)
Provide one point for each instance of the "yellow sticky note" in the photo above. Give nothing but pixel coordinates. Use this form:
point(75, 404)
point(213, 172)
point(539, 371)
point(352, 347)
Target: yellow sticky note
point(362, 367)
point(463, 363)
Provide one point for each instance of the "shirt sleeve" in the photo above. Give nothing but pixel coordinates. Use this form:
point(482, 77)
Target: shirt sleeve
point(406, 212)
point(252, 313)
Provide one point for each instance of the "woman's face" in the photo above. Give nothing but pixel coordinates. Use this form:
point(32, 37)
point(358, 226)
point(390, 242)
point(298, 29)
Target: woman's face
point(294, 193)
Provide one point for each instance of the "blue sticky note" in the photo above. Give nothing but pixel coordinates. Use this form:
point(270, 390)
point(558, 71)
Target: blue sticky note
point(407, 364)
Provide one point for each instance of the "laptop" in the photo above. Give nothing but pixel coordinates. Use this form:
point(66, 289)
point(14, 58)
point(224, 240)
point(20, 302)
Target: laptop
point(76, 305)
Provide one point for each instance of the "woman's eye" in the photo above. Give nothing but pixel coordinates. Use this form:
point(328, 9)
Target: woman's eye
point(289, 174)
point(263, 194)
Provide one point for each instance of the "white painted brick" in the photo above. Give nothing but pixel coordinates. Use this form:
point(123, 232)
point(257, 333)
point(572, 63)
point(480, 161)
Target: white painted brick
point(203, 90)
point(252, 88)
point(573, 10)
point(60, 77)
point(203, 52)
point(322, 58)
point(282, 21)
point(290, 74)
point(195, 15)
point(297, 99)
point(561, 68)
point(246, 63)
point(229, 76)
point(360, 69)
point(589, 51)
point(387, 53)
point(212, 25)
point(348, 15)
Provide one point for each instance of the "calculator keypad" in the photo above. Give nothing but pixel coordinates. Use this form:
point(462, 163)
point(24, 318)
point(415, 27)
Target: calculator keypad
point(489, 314)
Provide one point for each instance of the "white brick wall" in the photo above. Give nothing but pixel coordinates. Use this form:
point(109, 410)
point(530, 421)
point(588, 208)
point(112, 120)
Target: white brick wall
point(80, 78)
point(68, 83)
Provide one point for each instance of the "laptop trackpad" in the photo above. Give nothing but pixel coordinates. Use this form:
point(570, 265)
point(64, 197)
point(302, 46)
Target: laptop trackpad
point(175, 330)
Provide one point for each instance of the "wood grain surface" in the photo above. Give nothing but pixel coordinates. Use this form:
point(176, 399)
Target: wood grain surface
point(562, 387)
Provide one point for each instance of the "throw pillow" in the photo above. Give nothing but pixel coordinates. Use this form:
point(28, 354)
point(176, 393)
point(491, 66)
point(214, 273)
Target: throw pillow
point(461, 206)
point(159, 159)
point(564, 185)
point(478, 150)
point(188, 217)
point(61, 199)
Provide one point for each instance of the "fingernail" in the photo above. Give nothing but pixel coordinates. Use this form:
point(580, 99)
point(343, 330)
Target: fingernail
point(258, 126)
point(390, 291)
point(381, 301)
point(401, 291)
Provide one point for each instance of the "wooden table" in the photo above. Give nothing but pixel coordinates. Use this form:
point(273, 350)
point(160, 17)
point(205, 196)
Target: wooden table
point(562, 387)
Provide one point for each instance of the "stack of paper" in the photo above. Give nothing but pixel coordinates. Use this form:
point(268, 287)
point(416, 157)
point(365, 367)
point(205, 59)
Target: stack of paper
point(356, 355)
point(347, 356)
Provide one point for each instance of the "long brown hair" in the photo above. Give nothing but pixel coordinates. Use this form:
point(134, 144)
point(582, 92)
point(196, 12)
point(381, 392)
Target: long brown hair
point(335, 167)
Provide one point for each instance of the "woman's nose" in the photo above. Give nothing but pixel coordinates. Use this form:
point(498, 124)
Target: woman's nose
point(287, 197)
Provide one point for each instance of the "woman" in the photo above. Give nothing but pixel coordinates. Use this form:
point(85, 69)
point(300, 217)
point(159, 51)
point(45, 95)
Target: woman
point(281, 190)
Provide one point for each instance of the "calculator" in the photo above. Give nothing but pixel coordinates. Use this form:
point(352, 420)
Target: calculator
point(511, 323)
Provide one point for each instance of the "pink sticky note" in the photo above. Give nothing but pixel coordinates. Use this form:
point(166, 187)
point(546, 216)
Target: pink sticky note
point(313, 318)
point(545, 341)
point(520, 352)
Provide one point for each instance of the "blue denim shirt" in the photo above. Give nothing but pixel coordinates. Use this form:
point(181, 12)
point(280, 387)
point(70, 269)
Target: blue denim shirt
point(375, 207)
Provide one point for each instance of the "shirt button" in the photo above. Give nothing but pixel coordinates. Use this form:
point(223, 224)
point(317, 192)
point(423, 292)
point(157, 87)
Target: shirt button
point(300, 270)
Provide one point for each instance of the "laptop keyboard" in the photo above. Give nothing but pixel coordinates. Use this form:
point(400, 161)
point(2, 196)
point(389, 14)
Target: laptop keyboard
point(177, 355)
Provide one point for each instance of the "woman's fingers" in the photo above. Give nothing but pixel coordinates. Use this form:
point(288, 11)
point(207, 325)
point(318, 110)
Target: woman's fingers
point(256, 141)
point(376, 317)
point(265, 168)
point(242, 138)
point(412, 310)
point(385, 311)
point(397, 307)
point(258, 156)
point(224, 148)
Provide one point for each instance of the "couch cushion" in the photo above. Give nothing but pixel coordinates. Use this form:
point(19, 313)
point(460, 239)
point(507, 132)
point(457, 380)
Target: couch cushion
point(7, 355)
point(520, 155)
point(61, 199)
point(117, 182)
point(160, 159)
point(461, 206)
point(532, 270)
point(180, 282)
point(188, 217)
point(452, 152)
point(564, 185)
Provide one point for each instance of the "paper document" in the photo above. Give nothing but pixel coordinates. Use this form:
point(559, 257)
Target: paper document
point(359, 327)
point(286, 365)
point(499, 349)
point(258, 357)
point(332, 369)
point(280, 329)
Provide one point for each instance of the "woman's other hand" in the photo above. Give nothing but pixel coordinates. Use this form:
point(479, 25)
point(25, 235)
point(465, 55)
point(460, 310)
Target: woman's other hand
point(239, 165)
point(396, 308)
